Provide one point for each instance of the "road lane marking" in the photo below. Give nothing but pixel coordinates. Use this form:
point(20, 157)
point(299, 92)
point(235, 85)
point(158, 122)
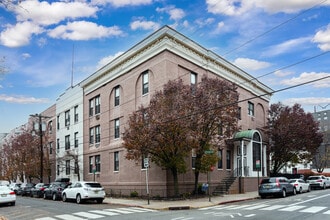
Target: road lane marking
point(327, 212)
point(101, 212)
point(320, 197)
point(45, 218)
point(88, 215)
point(313, 209)
point(118, 210)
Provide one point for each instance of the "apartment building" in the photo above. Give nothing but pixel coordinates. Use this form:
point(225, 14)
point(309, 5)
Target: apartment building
point(69, 134)
point(113, 92)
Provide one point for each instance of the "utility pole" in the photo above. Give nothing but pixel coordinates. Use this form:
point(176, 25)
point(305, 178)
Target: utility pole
point(40, 117)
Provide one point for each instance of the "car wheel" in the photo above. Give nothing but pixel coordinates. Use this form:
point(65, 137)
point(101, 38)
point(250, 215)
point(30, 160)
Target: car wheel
point(12, 203)
point(294, 191)
point(64, 199)
point(78, 199)
point(324, 186)
point(283, 193)
point(54, 197)
point(309, 189)
point(45, 197)
point(99, 201)
point(300, 190)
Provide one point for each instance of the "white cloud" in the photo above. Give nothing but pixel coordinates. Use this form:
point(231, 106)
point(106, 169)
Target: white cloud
point(26, 56)
point(83, 30)
point(281, 73)
point(22, 99)
point(122, 3)
point(45, 13)
point(250, 64)
point(144, 25)
point(20, 34)
point(108, 59)
point(287, 46)
point(204, 22)
point(322, 38)
point(175, 13)
point(306, 77)
point(307, 101)
point(239, 7)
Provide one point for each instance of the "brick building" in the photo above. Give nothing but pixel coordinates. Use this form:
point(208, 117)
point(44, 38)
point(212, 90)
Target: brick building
point(113, 92)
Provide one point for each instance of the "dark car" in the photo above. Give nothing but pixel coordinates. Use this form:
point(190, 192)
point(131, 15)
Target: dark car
point(276, 186)
point(38, 190)
point(54, 191)
point(25, 189)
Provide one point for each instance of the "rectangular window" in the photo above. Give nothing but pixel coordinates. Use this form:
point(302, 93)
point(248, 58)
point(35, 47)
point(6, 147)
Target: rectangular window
point(117, 130)
point(50, 127)
point(97, 134)
point(193, 158)
point(58, 122)
point(58, 145)
point(76, 167)
point(228, 159)
point(239, 113)
point(98, 163)
point(91, 107)
point(97, 105)
point(67, 167)
point(58, 170)
point(116, 161)
point(50, 147)
point(76, 142)
point(220, 159)
point(91, 164)
point(67, 118)
point(256, 155)
point(91, 135)
point(117, 95)
point(250, 109)
point(76, 118)
point(193, 79)
point(67, 142)
point(145, 83)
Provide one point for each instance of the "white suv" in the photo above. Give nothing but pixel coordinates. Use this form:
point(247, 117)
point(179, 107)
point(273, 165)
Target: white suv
point(82, 191)
point(318, 182)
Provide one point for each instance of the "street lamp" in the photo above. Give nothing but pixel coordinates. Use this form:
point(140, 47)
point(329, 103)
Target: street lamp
point(40, 117)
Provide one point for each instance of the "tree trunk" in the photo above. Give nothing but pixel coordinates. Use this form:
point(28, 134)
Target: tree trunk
point(196, 181)
point(175, 181)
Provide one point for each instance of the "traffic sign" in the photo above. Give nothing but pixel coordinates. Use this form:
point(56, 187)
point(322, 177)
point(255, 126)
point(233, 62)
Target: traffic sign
point(146, 162)
point(208, 152)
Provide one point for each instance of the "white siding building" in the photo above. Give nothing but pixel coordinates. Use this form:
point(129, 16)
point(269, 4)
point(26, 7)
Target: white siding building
point(69, 134)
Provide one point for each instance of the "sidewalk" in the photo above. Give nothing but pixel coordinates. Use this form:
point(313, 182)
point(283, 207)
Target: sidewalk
point(182, 204)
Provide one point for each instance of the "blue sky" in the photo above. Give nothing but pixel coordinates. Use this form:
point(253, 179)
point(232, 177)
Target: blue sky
point(285, 41)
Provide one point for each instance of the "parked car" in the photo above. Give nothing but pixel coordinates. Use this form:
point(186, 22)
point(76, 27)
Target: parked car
point(38, 190)
point(7, 196)
point(63, 180)
point(25, 189)
point(276, 186)
point(318, 182)
point(83, 191)
point(54, 191)
point(300, 185)
point(15, 187)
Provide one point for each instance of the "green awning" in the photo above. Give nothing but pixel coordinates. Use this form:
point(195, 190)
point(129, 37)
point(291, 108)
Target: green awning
point(247, 134)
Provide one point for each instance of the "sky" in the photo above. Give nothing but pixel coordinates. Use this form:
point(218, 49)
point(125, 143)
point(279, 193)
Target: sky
point(283, 43)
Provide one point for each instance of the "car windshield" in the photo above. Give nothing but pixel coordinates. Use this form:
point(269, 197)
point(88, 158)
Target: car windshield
point(313, 177)
point(292, 181)
point(93, 185)
point(270, 180)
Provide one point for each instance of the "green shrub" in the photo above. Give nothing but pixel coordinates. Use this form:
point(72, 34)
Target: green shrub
point(134, 194)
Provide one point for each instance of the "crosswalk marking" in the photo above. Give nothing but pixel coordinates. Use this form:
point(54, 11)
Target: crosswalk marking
point(292, 208)
point(88, 215)
point(96, 214)
point(256, 207)
point(327, 212)
point(274, 207)
point(67, 216)
point(101, 212)
point(313, 209)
